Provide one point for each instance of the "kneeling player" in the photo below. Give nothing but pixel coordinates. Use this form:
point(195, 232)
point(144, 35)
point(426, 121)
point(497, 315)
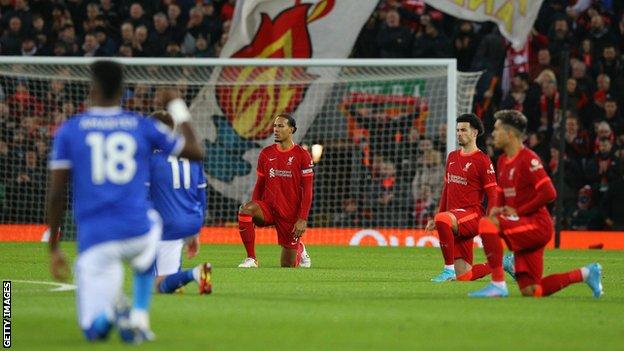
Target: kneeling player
point(177, 190)
point(282, 197)
point(469, 175)
point(522, 220)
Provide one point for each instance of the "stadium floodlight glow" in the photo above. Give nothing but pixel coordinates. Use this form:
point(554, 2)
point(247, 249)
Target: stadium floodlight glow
point(317, 152)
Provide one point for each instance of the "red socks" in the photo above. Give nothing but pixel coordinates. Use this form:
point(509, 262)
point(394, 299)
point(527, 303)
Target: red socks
point(480, 270)
point(493, 248)
point(247, 233)
point(299, 252)
point(445, 233)
point(556, 282)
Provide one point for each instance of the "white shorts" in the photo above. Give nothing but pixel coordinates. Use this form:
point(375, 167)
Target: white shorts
point(169, 257)
point(99, 270)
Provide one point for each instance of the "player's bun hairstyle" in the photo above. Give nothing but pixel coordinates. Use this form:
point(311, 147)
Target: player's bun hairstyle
point(512, 118)
point(291, 121)
point(108, 76)
point(475, 122)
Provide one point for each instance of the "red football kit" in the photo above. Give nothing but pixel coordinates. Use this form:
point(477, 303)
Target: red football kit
point(524, 185)
point(284, 189)
point(468, 178)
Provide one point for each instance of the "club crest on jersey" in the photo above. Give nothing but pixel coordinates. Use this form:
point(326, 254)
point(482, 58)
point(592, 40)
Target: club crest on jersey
point(491, 170)
point(511, 173)
point(535, 165)
point(468, 164)
point(290, 160)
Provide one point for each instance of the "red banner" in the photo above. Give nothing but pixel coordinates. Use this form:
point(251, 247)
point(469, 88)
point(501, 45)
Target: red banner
point(344, 237)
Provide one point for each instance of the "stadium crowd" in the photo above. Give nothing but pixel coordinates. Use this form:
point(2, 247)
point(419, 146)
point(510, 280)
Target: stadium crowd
point(529, 80)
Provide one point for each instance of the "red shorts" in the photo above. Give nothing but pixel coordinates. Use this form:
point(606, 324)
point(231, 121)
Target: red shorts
point(527, 237)
point(283, 226)
point(468, 228)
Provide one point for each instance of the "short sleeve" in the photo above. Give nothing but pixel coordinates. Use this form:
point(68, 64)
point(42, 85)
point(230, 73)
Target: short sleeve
point(307, 166)
point(163, 138)
point(60, 158)
point(488, 175)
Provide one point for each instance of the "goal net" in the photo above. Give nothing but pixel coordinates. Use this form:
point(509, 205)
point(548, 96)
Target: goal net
point(377, 130)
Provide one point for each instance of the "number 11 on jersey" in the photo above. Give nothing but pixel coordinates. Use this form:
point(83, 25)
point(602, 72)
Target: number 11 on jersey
point(175, 172)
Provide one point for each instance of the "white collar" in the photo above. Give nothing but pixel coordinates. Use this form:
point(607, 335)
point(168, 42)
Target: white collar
point(105, 111)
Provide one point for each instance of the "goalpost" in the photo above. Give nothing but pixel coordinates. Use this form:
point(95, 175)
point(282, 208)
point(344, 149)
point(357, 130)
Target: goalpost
point(379, 130)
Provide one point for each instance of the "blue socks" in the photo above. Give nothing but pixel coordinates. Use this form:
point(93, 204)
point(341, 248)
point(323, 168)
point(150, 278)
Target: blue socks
point(99, 328)
point(175, 281)
point(142, 290)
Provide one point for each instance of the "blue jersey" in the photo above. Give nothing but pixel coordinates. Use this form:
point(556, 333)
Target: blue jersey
point(178, 192)
point(108, 151)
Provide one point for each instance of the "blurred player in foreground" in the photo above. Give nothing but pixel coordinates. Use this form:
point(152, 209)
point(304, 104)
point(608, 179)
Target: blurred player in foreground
point(178, 192)
point(282, 197)
point(469, 176)
point(521, 219)
point(106, 153)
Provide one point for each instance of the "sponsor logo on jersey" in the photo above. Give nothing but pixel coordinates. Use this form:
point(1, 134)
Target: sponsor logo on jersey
point(451, 178)
point(279, 173)
point(535, 165)
point(509, 192)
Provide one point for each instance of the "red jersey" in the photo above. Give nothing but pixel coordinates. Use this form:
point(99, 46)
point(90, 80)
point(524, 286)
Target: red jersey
point(281, 175)
point(467, 178)
point(520, 179)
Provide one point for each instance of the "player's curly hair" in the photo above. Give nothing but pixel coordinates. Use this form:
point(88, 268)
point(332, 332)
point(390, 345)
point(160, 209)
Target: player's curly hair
point(291, 121)
point(514, 119)
point(475, 122)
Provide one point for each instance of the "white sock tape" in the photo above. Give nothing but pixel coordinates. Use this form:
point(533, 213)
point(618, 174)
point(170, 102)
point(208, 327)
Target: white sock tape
point(179, 111)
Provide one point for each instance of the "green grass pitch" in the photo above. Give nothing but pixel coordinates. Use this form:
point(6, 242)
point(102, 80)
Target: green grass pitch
point(354, 298)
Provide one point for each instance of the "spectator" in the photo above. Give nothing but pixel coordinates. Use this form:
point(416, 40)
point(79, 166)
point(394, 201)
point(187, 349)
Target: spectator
point(176, 23)
point(543, 63)
point(127, 33)
point(560, 38)
point(137, 15)
point(125, 50)
point(140, 45)
point(612, 208)
point(107, 9)
point(599, 34)
point(610, 65)
point(202, 48)
point(603, 167)
point(366, 45)
point(11, 39)
point(431, 43)
point(465, 45)
point(612, 115)
point(29, 48)
point(393, 40)
point(20, 10)
point(585, 216)
point(91, 47)
point(107, 46)
point(160, 36)
point(577, 141)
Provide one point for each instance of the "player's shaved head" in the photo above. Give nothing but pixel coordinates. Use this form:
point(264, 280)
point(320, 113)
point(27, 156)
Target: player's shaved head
point(513, 121)
point(107, 78)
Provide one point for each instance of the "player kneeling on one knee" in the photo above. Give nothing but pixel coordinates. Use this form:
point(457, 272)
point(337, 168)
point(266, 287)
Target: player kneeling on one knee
point(282, 197)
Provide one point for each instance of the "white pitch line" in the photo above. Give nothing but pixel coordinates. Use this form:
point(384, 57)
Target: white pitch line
point(59, 286)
